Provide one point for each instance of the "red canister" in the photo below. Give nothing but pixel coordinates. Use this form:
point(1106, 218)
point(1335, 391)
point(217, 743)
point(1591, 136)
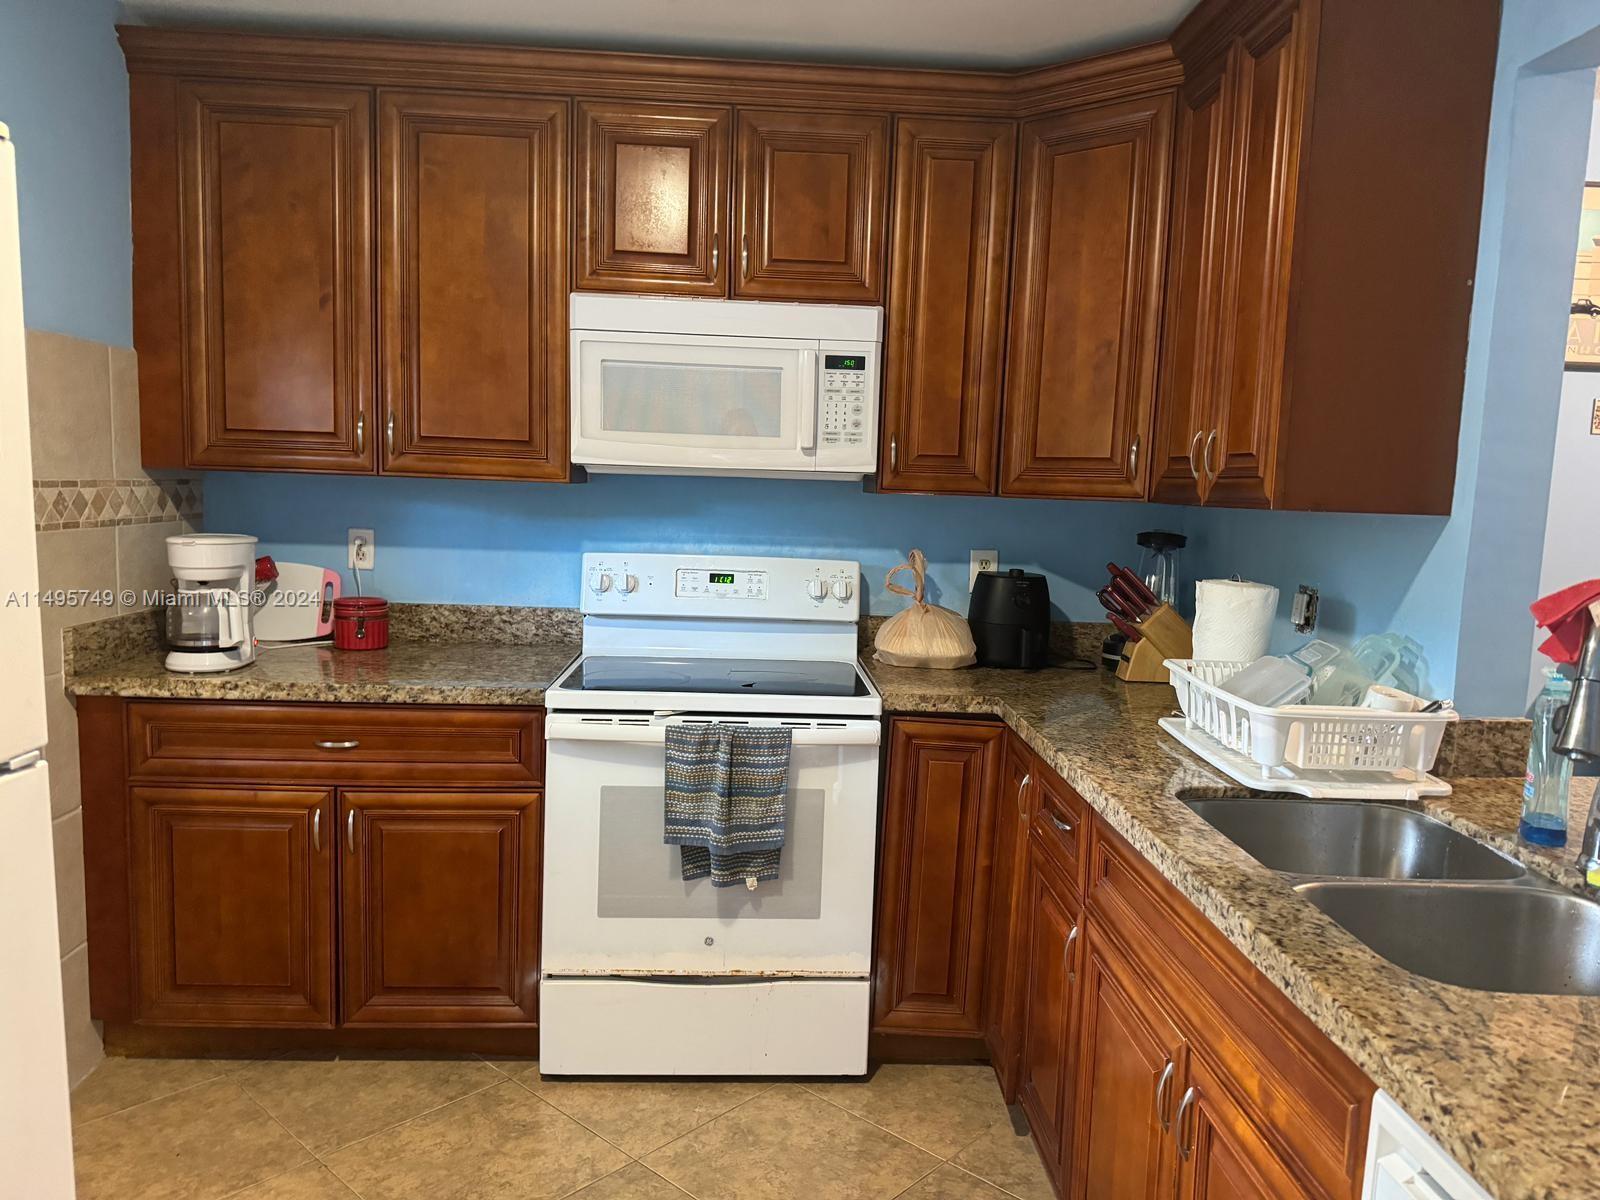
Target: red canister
point(360, 623)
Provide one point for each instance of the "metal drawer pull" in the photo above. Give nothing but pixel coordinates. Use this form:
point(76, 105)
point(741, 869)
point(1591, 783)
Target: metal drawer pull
point(316, 829)
point(1064, 826)
point(1194, 454)
point(1072, 938)
point(1185, 1142)
point(1161, 1095)
point(1022, 791)
point(351, 744)
point(350, 831)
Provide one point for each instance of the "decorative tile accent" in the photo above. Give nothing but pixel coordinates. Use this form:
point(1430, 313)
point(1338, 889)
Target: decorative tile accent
point(95, 503)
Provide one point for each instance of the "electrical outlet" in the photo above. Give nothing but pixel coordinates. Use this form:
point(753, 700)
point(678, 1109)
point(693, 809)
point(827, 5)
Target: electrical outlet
point(982, 560)
point(363, 549)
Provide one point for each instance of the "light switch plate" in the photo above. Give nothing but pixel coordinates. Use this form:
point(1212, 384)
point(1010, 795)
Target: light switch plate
point(363, 549)
point(982, 560)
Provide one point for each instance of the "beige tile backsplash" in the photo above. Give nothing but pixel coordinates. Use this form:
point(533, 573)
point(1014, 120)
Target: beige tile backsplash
point(101, 525)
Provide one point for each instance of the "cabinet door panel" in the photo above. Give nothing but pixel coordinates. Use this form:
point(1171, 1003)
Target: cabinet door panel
point(1270, 70)
point(1003, 985)
point(1047, 1085)
point(1086, 303)
point(934, 891)
point(233, 904)
point(652, 197)
point(277, 241)
point(440, 907)
point(812, 191)
point(473, 285)
point(947, 298)
point(1222, 1154)
point(1187, 397)
point(1120, 1148)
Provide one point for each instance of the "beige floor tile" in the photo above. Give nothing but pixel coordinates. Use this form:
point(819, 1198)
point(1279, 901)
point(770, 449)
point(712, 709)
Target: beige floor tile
point(119, 1083)
point(328, 1103)
point(940, 1107)
point(788, 1142)
point(634, 1182)
point(952, 1183)
point(199, 1144)
point(638, 1115)
point(500, 1144)
point(69, 406)
point(311, 1182)
point(1008, 1160)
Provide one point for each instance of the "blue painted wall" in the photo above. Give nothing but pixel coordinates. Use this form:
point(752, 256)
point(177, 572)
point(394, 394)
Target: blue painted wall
point(515, 543)
point(64, 93)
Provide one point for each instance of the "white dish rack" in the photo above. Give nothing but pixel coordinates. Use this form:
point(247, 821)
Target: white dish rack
point(1315, 750)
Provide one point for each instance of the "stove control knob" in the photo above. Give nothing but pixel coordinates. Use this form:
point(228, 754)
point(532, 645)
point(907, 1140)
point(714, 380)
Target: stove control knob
point(842, 588)
point(628, 584)
point(599, 582)
point(816, 589)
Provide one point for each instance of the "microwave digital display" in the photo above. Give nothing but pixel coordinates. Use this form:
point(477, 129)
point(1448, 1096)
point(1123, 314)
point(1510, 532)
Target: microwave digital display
point(720, 577)
point(844, 362)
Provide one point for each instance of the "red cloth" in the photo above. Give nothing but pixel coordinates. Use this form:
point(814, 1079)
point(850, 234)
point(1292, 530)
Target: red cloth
point(1566, 615)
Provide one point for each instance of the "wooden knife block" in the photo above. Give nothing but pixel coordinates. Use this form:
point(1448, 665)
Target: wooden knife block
point(1163, 635)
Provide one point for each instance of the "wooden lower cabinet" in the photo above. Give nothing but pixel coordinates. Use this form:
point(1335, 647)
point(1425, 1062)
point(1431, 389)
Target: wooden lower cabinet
point(233, 896)
point(1002, 993)
point(440, 914)
point(1131, 1051)
point(1051, 954)
point(1221, 1154)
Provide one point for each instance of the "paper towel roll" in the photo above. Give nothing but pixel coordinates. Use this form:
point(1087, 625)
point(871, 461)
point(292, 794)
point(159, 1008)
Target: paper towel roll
point(1233, 619)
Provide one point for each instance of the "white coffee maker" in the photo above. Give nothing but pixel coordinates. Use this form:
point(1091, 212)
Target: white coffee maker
point(208, 616)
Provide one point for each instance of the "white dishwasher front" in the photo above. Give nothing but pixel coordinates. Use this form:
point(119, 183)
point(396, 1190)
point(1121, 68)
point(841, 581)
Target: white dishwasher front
point(1404, 1163)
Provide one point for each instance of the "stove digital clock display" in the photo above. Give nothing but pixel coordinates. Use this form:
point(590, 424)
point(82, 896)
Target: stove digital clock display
point(721, 577)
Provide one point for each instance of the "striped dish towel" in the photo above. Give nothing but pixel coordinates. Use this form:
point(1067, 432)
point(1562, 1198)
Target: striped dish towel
point(725, 800)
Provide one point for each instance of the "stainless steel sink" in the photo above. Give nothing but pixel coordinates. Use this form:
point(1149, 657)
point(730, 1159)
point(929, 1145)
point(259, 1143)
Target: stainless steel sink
point(1346, 839)
point(1494, 937)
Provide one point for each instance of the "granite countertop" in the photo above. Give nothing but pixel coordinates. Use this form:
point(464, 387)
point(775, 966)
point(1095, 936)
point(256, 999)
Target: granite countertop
point(1510, 1085)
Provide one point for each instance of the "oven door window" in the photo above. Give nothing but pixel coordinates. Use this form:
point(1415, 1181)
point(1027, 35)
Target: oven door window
point(640, 876)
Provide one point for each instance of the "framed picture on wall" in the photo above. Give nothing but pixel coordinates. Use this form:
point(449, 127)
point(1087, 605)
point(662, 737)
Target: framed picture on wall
point(1583, 329)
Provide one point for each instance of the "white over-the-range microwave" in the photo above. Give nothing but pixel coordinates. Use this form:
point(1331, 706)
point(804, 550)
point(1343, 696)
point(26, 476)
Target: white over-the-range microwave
point(664, 386)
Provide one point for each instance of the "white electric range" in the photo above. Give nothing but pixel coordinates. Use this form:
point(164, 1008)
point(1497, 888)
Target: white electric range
point(643, 973)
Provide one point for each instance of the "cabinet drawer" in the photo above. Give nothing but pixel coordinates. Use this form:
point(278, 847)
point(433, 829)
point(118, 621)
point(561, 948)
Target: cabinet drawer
point(1062, 819)
point(335, 743)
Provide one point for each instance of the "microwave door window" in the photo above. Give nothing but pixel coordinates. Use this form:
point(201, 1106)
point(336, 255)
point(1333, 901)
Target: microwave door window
point(693, 403)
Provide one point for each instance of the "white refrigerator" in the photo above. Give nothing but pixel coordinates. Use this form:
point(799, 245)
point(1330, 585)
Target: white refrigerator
point(35, 1128)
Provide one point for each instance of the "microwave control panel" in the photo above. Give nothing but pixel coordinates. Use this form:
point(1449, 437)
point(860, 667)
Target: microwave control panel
point(846, 416)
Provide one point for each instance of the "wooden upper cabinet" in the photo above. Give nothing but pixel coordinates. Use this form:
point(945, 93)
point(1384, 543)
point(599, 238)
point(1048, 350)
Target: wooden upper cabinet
point(1268, 70)
point(1187, 392)
point(811, 191)
point(1132, 1059)
point(232, 905)
point(652, 197)
point(276, 207)
point(948, 286)
point(473, 285)
point(934, 887)
point(440, 912)
point(1085, 307)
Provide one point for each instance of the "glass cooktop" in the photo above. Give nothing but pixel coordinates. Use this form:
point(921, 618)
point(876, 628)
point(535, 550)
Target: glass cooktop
point(748, 676)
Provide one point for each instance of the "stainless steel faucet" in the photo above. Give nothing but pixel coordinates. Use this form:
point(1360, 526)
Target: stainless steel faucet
point(1579, 739)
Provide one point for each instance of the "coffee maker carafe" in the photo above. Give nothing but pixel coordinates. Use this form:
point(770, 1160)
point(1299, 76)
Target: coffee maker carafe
point(208, 616)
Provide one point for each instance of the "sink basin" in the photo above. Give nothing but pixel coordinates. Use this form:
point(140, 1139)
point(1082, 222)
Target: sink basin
point(1496, 938)
point(1352, 840)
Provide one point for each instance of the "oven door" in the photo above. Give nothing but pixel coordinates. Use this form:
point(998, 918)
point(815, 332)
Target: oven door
point(665, 401)
point(615, 902)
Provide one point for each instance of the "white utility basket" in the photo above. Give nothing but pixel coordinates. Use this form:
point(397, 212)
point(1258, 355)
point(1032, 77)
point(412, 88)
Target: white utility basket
point(1305, 737)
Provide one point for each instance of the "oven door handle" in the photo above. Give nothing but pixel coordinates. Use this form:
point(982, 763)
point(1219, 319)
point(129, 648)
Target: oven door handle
point(560, 727)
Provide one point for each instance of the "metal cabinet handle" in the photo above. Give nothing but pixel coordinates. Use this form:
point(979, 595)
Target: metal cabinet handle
point(388, 433)
point(350, 831)
point(1161, 1095)
point(361, 433)
point(316, 829)
point(894, 452)
point(1072, 940)
point(1194, 454)
point(1133, 455)
point(1064, 826)
point(1022, 792)
point(1211, 442)
point(716, 253)
point(351, 744)
point(1185, 1142)
point(744, 255)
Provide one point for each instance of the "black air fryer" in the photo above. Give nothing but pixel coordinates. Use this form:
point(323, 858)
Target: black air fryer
point(1010, 619)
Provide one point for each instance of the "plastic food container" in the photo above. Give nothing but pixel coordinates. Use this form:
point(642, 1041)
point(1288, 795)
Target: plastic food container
point(360, 623)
